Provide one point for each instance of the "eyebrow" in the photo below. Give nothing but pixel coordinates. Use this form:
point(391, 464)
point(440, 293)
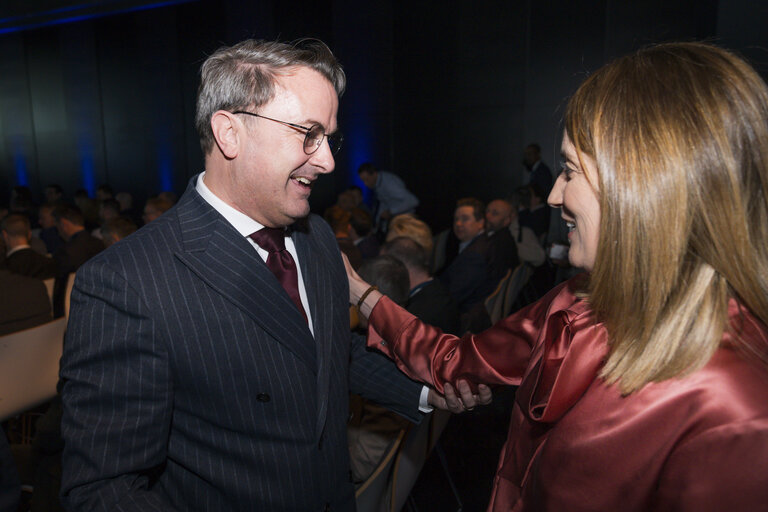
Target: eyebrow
point(310, 122)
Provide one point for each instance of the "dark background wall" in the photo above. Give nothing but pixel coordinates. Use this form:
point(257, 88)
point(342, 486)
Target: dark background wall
point(444, 94)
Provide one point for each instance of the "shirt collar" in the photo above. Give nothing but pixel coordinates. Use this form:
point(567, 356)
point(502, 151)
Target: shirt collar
point(16, 249)
point(241, 222)
point(464, 245)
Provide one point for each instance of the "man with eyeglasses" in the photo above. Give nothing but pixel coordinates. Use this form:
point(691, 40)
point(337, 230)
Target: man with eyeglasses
point(208, 361)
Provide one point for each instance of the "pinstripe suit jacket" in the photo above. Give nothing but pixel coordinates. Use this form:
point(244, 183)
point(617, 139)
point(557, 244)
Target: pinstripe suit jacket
point(190, 381)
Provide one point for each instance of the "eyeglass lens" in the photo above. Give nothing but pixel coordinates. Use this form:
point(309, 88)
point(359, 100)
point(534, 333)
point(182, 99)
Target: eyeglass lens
point(315, 137)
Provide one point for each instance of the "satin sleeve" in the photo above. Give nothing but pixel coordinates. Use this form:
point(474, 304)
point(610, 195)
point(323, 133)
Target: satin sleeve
point(498, 355)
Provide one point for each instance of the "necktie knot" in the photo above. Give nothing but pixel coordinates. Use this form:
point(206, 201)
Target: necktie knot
point(270, 239)
point(280, 262)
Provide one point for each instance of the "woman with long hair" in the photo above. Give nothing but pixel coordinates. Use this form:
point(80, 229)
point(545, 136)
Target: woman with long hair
point(644, 382)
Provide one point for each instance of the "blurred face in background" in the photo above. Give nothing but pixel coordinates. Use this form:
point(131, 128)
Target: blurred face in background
point(465, 225)
point(498, 215)
point(45, 216)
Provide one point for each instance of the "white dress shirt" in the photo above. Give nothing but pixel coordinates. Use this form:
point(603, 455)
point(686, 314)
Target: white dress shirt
point(246, 226)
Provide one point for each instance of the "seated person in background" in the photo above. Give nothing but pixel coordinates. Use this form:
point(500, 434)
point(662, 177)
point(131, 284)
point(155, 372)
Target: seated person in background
point(20, 257)
point(169, 196)
point(409, 226)
point(54, 194)
point(503, 251)
point(361, 233)
point(24, 303)
point(372, 428)
point(154, 208)
point(357, 196)
point(338, 219)
point(108, 209)
point(468, 277)
point(78, 248)
point(49, 233)
point(428, 298)
point(117, 229)
point(345, 200)
point(88, 207)
point(21, 201)
point(104, 192)
point(126, 207)
point(529, 250)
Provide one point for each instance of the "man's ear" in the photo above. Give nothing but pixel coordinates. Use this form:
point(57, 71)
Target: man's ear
point(227, 132)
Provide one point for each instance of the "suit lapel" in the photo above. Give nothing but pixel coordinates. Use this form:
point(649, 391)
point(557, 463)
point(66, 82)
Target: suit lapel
point(214, 250)
point(317, 281)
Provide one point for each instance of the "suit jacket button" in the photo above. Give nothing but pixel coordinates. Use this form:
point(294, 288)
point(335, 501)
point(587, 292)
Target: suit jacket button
point(263, 397)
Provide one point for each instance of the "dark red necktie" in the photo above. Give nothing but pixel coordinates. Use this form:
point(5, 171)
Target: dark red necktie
point(280, 262)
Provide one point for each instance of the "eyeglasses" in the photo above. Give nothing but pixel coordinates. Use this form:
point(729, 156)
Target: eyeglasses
point(314, 134)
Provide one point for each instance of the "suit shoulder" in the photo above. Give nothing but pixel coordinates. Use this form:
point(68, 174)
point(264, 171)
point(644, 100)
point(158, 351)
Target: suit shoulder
point(317, 227)
point(148, 246)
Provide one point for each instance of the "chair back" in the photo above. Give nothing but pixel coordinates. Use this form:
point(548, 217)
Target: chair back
point(29, 367)
point(49, 288)
point(494, 303)
point(517, 281)
point(374, 495)
point(502, 302)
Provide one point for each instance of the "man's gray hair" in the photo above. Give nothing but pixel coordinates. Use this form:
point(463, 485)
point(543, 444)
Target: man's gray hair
point(244, 75)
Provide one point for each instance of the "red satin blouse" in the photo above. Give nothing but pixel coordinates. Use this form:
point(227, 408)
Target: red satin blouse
point(695, 443)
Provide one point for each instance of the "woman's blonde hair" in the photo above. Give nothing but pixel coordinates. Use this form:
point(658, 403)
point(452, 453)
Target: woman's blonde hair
point(407, 225)
point(679, 133)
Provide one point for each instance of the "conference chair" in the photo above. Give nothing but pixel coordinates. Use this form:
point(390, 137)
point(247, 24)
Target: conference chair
point(49, 288)
point(374, 495)
point(504, 299)
point(409, 461)
point(494, 303)
point(29, 367)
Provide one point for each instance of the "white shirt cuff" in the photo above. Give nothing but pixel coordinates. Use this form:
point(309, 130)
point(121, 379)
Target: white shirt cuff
point(423, 404)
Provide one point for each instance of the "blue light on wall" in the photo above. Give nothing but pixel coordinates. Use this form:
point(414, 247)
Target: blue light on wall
point(359, 143)
point(20, 163)
point(165, 164)
point(87, 164)
point(75, 13)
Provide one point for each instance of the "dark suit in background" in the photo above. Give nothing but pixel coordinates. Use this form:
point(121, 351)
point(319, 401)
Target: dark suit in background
point(502, 254)
point(81, 247)
point(369, 246)
point(30, 263)
point(217, 396)
point(468, 278)
point(51, 238)
point(24, 303)
point(433, 304)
